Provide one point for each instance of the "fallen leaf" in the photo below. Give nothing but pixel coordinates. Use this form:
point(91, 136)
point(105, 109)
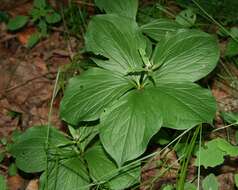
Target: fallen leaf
point(33, 185)
point(24, 36)
point(16, 183)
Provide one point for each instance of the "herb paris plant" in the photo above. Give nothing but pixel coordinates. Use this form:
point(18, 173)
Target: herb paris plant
point(134, 95)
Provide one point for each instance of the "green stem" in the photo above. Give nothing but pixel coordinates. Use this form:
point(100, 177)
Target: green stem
point(48, 129)
point(188, 154)
point(216, 22)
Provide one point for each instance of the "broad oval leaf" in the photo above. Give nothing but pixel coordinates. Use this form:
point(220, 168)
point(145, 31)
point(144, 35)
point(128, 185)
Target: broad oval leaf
point(118, 39)
point(68, 173)
point(216, 155)
point(183, 105)
point(128, 125)
point(210, 182)
point(17, 22)
point(102, 168)
point(126, 8)
point(29, 148)
point(158, 28)
point(88, 94)
point(185, 56)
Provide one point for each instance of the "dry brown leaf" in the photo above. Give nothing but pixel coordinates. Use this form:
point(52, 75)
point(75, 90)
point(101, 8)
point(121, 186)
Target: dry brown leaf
point(16, 183)
point(33, 185)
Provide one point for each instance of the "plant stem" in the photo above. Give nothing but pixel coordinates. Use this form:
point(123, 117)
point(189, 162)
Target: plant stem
point(48, 130)
point(188, 154)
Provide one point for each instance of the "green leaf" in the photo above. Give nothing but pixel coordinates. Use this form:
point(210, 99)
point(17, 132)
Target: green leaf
point(179, 105)
point(33, 40)
point(3, 183)
point(118, 39)
point(66, 174)
point(126, 8)
point(168, 187)
point(158, 28)
point(53, 17)
point(183, 105)
point(102, 168)
point(186, 18)
point(185, 56)
point(35, 14)
point(227, 147)
point(215, 158)
point(43, 28)
point(210, 183)
point(40, 4)
point(3, 141)
point(87, 95)
point(236, 180)
point(29, 148)
point(230, 117)
point(231, 48)
point(129, 124)
point(84, 135)
point(12, 170)
point(234, 32)
point(190, 186)
point(17, 22)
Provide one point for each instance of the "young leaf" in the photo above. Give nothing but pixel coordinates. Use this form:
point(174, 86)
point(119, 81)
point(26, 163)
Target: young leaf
point(102, 168)
point(3, 183)
point(17, 22)
point(65, 174)
point(126, 8)
point(210, 183)
point(88, 94)
point(52, 17)
point(129, 124)
point(186, 18)
point(185, 56)
point(84, 135)
point(231, 48)
point(33, 40)
point(40, 4)
point(43, 28)
point(118, 39)
point(158, 28)
point(29, 148)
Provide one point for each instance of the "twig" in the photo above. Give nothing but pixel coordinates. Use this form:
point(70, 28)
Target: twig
point(7, 37)
point(84, 3)
point(26, 82)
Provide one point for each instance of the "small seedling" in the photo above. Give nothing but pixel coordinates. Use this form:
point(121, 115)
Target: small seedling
point(42, 15)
